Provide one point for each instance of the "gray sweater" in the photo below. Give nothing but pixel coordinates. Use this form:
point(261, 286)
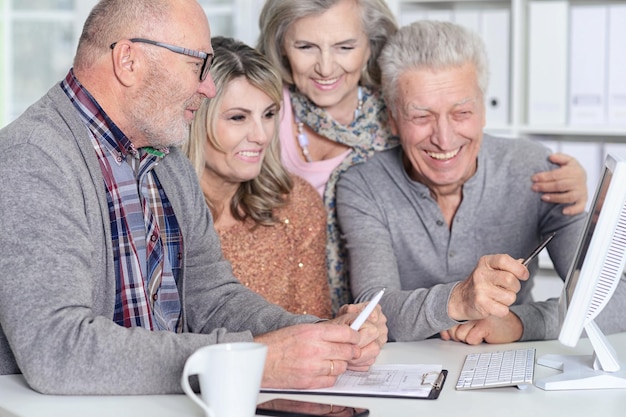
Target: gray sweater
point(397, 237)
point(57, 282)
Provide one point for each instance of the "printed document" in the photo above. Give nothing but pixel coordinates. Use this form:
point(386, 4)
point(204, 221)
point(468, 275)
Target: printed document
point(405, 381)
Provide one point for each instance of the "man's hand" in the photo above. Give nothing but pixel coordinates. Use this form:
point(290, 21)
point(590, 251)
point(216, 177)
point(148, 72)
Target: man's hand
point(491, 330)
point(489, 290)
point(308, 356)
point(314, 355)
point(373, 333)
point(564, 185)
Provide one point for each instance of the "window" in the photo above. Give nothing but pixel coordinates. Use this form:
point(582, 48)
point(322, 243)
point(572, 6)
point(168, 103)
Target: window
point(38, 40)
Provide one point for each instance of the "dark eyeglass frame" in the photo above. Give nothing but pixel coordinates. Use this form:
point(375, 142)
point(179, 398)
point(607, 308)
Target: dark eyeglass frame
point(207, 58)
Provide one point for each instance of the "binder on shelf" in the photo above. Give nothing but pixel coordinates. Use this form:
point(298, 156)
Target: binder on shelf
point(616, 86)
point(547, 62)
point(493, 25)
point(588, 63)
point(495, 31)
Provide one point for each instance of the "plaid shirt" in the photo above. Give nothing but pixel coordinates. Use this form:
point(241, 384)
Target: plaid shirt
point(147, 241)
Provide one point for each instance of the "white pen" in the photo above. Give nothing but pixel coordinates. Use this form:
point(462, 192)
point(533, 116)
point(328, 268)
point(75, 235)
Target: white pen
point(356, 324)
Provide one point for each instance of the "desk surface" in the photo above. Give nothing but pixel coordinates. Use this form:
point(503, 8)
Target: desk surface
point(17, 400)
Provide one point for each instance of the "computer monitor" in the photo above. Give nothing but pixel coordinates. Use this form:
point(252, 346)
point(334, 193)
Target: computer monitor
point(591, 281)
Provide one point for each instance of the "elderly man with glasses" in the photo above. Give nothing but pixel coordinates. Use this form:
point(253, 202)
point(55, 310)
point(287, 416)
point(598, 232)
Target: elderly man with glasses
point(112, 273)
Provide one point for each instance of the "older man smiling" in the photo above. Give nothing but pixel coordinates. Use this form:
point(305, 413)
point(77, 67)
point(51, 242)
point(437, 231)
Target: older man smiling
point(442, 220)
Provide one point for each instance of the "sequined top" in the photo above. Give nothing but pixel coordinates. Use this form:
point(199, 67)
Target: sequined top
point(286, 262)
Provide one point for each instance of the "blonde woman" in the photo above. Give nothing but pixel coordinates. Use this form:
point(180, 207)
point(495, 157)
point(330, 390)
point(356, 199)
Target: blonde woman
point(272, 225)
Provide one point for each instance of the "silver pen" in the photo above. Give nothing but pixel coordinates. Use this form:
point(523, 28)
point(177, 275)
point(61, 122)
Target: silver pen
point(538, 249)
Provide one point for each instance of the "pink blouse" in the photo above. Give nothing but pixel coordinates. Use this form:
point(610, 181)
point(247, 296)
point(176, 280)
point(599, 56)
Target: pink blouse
point(316, 172)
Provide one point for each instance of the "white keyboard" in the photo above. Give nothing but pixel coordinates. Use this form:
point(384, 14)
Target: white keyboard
point(503, 368)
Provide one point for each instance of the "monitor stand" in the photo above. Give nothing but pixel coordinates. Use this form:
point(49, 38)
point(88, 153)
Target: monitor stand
point(602, 370)
point(578, 373)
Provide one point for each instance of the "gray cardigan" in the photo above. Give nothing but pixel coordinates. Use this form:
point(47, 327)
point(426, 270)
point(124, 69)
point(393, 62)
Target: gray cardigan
point(397, 237)
point(57, 282)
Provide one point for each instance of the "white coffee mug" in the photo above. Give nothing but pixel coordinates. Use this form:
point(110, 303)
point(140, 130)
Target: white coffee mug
point(230, 378)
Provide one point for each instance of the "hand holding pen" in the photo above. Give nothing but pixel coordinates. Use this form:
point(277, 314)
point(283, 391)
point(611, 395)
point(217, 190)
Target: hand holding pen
point(371, 324)
point(491, 287)
point(362, 317)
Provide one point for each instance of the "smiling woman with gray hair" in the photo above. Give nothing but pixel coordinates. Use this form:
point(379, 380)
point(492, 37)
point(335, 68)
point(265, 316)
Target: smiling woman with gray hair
point(333, 116)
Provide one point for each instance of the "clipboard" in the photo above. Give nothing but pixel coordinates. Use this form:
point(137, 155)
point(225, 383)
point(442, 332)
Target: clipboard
point(384, 381)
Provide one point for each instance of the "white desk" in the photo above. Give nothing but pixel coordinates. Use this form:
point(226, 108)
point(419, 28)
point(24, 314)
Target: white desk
point(16, 399)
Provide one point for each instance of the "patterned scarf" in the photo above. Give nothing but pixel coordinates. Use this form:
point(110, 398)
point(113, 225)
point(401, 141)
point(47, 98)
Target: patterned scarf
point(367, 134)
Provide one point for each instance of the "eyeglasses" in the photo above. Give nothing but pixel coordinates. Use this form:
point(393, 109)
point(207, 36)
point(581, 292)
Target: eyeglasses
point(208, 58)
